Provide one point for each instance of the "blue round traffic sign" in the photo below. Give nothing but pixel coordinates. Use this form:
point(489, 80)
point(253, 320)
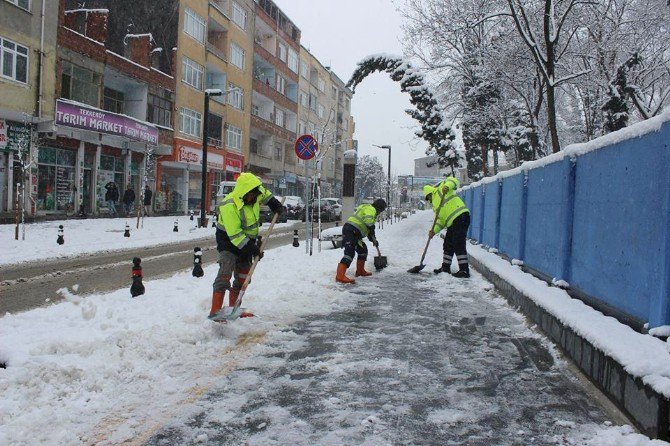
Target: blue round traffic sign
point(306, 147)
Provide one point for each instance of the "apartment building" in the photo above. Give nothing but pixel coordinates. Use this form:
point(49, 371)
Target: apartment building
point(27, 85)
point(213, 51)
point(345, 127)
point(113, 113)
point(274, 101)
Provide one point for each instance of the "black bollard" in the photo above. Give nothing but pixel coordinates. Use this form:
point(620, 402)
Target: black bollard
point(176, 226)
point(197, 262)
point(214, 218)
point(127, 232)
point(137, 288)
point(296, 243)
point(191, 214)
point(60, 240)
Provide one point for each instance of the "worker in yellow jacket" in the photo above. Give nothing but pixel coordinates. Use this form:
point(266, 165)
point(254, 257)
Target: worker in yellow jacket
point(358, 226)
point(237, 240)
point(453, 215)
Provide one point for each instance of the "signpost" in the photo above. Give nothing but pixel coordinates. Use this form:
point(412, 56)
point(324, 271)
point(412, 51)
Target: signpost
point(306, 148)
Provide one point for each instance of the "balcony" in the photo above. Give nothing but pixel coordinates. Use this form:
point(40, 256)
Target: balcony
point(217, 52)
point(269, 91)
point(271, 128)
point(221, 6)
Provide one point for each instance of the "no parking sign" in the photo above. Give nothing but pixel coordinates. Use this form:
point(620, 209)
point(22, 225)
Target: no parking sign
point(306, 147)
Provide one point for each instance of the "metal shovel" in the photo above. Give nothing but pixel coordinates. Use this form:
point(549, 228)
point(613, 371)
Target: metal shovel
point(417, 269)
point(380, 261)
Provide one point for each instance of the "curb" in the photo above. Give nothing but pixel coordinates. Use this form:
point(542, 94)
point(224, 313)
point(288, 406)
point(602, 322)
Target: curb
point(649, 410)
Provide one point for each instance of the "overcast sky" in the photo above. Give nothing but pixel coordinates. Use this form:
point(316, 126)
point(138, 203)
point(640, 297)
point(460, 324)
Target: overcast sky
point(340, 33)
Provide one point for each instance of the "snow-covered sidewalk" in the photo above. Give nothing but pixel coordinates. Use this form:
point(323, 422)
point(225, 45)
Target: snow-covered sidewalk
point(90, 236)
point(108, 369)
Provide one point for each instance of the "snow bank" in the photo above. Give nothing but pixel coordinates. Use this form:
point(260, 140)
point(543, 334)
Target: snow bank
point(98, 235)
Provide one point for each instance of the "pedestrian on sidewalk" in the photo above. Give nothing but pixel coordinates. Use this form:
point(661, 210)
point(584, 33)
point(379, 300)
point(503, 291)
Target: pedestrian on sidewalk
point(358, 226)
point(128, 200)
point(453, 215)
point(237, 240)
point(111, 198)
point(148, 194)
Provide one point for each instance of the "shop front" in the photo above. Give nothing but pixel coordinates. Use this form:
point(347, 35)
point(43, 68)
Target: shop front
point(93, 148)
point(15, 138)
point(180, 178)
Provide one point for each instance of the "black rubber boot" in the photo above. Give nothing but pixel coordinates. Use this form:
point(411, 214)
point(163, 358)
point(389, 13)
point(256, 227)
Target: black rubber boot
point(462, 274)
point(443, 269)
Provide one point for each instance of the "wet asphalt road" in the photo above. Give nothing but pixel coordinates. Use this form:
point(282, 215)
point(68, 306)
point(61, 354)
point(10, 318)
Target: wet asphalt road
point(34, 284)
point(417, 360)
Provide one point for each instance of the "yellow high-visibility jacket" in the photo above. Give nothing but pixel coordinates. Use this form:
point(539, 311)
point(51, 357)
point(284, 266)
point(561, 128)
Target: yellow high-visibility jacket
point(446, 204)
point(239, 222)
point(364, 219)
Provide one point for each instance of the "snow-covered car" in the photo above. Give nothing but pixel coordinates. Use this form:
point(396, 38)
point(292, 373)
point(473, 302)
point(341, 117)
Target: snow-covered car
point(336, 207)
point(333, 235)
point(294, 207)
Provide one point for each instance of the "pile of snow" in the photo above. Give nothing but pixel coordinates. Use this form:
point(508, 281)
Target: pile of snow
point(96, 235)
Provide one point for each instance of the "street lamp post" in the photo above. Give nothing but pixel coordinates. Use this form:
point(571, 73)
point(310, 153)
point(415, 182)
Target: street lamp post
point(388, 190)
point(205, 128)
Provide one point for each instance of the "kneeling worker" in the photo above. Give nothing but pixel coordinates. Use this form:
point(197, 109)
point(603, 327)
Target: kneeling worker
point(358, 226)
point(237, 239)
point(455, 216)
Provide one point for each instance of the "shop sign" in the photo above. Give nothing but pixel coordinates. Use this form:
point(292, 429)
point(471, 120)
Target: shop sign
point(11, 134)
point(190, 155)
point(88, 118)
point(233, 165)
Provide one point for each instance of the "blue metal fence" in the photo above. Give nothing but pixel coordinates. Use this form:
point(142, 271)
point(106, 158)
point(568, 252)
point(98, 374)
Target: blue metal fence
point(598, 217)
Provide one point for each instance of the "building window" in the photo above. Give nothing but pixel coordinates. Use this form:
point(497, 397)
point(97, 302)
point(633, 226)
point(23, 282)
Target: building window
point(302, 127)
point(234, 138)
point(194, 25)
point(113, 101)
point(278, 152)
point(13, 60)
point(159, 111)
point(304, 69)
point(333, 92)
point(282, 51)
point(25, 4)
point(312, 102)
point(281, 85)
point(293, 60)
point(192, 73)
point(279, 117)
point(304, 99)
point(236, 96)
point(237, 56)
point(191, 121)
point(239, 16)
point(80, 84)
point(345, 124)
point(321, 85)
point(321, 111)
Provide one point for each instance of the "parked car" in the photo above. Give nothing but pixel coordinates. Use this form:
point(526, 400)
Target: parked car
point(294, 207)
point(267, 214)
point(327, 212)
point(336, 204)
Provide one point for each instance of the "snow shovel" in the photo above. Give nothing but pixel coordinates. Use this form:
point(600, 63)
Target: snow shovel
point(417, 269)
point(228, 313)
point(380, 261)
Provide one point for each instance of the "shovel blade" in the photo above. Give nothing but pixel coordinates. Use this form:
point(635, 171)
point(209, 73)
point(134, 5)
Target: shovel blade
point(381, 262)
point(416, 269)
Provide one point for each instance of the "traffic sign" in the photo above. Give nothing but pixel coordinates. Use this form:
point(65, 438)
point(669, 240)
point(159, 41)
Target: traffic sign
point(306, 147)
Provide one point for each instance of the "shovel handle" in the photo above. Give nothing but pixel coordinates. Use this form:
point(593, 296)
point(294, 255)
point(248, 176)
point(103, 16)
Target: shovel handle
point(378, 251)
point(437, 214)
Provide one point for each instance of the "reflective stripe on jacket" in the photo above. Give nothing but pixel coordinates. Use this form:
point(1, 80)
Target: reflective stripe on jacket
point(240, 221)
point(446, 204)
point(364, 218)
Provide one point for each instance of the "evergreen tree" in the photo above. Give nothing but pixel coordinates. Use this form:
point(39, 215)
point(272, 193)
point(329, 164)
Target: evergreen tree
point(616, 110)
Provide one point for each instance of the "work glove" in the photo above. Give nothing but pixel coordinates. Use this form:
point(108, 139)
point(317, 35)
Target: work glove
point(375, 243)
point(275, 205)
point(251, 250)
